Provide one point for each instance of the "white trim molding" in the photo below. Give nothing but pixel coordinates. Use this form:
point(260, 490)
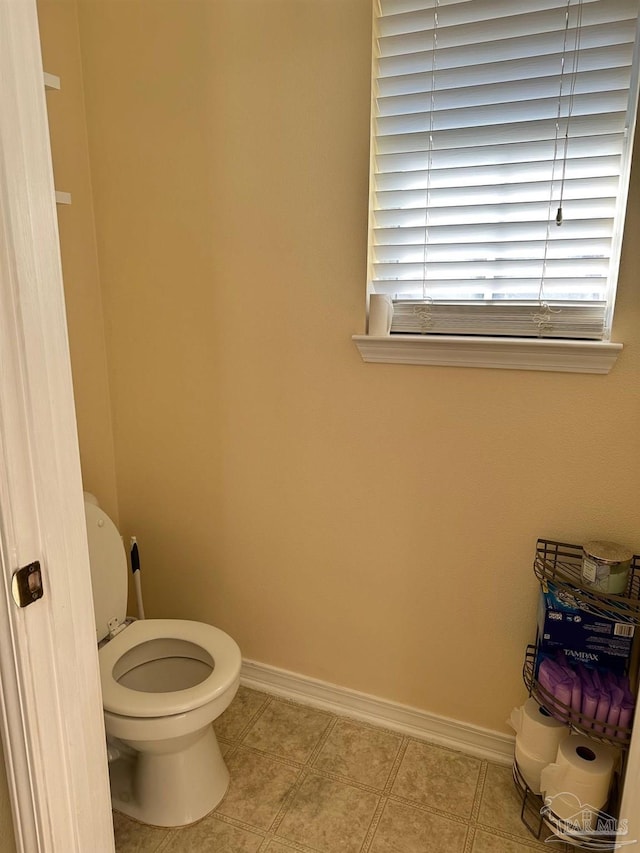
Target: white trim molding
point(443, 731)
point(564, 356)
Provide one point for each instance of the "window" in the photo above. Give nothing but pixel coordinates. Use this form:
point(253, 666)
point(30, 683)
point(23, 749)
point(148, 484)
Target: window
point(501, 148)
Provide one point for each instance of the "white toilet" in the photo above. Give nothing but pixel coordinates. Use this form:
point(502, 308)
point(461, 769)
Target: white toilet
point(164, 681)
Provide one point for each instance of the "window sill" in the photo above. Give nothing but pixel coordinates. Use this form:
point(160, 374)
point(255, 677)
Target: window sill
point(506, 353)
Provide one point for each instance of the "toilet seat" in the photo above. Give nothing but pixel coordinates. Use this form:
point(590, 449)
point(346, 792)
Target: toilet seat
point(128, 702)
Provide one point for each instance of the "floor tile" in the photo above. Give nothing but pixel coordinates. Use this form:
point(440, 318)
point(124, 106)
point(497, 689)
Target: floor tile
point(259, 786)
point(329, 816)
point(414, 830)
point(360, 753)
point(279, 847)
point(288, 730)
point(213, 836)
point(134, 837)
point(441, 801)
point(486, 842)
point(438, 778)
point(242, 709)
point(500, 805)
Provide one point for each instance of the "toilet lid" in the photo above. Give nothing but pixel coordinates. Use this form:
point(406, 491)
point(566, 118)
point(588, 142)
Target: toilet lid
point(127, 702)
point(108, 563)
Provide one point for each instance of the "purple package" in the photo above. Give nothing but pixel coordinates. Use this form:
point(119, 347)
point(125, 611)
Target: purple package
point(613, 717)
point(576, 693)
point(576, 684)
point(589, 696)
point(604, 700)
point(554, 679)
point(626, 709)
point(626, 703)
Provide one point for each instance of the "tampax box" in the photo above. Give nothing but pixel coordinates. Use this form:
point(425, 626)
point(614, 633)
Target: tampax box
point(564, 624)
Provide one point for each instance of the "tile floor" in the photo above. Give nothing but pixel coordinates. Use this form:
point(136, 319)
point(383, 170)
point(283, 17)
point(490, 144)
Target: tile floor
point(308, 781)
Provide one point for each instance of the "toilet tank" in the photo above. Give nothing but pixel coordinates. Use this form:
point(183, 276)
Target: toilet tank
point(108, 562)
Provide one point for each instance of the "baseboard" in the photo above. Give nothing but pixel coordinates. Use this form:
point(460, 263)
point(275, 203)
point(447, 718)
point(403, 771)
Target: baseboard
point(474, 740)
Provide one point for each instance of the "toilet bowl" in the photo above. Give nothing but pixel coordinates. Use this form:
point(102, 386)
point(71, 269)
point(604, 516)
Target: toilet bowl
point(164, 681)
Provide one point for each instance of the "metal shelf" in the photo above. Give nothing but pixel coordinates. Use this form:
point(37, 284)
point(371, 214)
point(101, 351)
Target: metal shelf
point(620, 736)
point(561, 564)
point(542, 822)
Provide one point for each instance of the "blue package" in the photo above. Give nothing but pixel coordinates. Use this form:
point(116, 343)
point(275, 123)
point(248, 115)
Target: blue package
point(564, 624)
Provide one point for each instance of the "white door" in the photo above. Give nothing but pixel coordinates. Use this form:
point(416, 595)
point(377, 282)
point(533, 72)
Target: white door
point(50, 705)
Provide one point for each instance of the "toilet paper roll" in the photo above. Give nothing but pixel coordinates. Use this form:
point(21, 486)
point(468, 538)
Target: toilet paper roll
point(530, 766)
point(380, 314)
point(564, 806)
point(568, 818)
point(539, 734)
point(583, 768)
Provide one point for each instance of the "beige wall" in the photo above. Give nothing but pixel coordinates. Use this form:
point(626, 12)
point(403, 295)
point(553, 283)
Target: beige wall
point(371, 525)
point(59, 38)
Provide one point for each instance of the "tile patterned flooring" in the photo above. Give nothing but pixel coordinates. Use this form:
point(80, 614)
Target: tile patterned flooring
point(309, 781)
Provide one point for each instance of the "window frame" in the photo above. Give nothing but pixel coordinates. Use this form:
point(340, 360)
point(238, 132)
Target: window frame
point(482, 350)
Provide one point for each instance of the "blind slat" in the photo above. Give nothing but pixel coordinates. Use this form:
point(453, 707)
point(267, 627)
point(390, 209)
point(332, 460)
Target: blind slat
point(454, 33)
point(516, 211)
point(584, 247)
point(500, 287)
point(595, 59)
point(587, 83)
point(504, 50)
point(494, 115)
point(498, 231)
point(498, 155)
point(506, 173)
point(492, 194)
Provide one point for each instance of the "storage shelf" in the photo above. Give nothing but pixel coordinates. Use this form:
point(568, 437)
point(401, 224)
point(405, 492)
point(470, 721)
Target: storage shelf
point(561, 563)
point(51, 81)
point(619, 736)
point(541, 821)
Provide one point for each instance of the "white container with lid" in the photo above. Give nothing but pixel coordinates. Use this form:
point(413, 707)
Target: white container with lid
point(605, 566)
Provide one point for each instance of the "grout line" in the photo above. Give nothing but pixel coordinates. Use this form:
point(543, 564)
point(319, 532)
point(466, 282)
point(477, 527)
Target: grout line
point(477, 798)
point(164, 844)
point(395, 767)
point(286, 843)
point(434, 810)
point(469, 839)
point(254, 719)
point(272, 756)
point(288, 800)
point(374, 824)
point(324, 737)
point(237, 823)
point(346, 780)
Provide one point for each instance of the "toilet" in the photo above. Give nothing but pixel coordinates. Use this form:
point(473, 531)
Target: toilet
point(164, 682)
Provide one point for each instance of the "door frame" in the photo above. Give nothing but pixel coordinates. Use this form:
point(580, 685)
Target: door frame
point(51, 717)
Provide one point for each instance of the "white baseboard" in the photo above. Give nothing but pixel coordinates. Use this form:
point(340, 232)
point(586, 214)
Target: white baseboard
point(474, 740)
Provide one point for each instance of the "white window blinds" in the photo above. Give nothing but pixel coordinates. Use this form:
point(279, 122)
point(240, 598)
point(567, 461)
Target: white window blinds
point(488, 117)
